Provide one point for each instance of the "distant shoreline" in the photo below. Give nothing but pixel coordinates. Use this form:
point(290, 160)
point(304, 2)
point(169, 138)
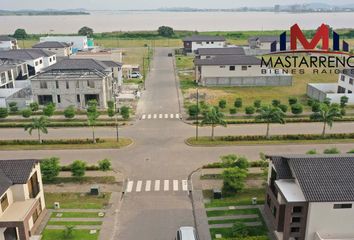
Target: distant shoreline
point(41, 13)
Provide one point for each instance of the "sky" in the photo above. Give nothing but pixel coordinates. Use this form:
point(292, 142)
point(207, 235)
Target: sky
point(148, 4)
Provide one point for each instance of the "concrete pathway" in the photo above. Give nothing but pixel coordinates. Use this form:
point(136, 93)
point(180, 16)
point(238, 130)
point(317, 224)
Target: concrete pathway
point(230, 225)
point(233, 217)
point(233, 208)
point(110, 221)
point(98, 219)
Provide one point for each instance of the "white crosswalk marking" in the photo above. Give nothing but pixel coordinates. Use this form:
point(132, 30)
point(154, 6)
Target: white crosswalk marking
point(184, 185)
point(171, 115)
point(175, 185)
point(166, 185)
point(148, 186)
point(166, 115)
point(149, 116)
point(157, 185)
point(138, 186)
point(143, 117)
point(177, 116)
point(155, 116)
point(160, 115)
point(130, 186)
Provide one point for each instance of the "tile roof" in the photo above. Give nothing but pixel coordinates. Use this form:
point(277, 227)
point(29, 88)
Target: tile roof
point(51, 44)
point(79, 64)
point(25, 54)
point(15, 172)
point(204, 38)
point(6, 38)
point(112, 63)
point(228, 60)
point(221, 51)
point(322, 178)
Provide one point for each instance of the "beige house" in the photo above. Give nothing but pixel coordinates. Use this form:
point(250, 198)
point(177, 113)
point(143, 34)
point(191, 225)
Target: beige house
point(61, 49)
point(21, 198)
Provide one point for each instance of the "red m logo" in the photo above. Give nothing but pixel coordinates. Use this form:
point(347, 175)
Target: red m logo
point(297, 34)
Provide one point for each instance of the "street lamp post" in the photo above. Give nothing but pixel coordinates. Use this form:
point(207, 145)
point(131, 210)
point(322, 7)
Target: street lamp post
point(197, 117)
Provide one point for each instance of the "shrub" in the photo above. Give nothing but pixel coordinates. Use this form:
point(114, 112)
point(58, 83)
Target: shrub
point(4, 113)
point(239, 230)
point(49, 110)
point(257, 103)
point(234, 180)
point(315, 107)
point(50, 168)
point(327, 101)
point(125, 112)
point(343, 112)
point(283, 108)
point(222, 103)
point(26, 113)
point(110, 104)
point(69, 112)
point(310, 102)
point(292, 100)
point(49, 141)
point(68, 232)
point(275, 102)
point(331, 151)
point(232, 160)
point(78, 168)
point(343, 101)
point(233, 110)
point(13, 107)
point(104, 165)
point(34, 106)
point(311, 152)
point(250, 110)
point(238, 103)
point(296, 108)
point(193, 110)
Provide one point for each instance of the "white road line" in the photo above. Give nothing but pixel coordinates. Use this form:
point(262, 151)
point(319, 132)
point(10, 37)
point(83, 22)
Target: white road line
point(149, 116)
point(177, 116)
point(143, 117)
point(157, 185)
point(160, 115)
point(184, 185)
point(130, 186)
point(166, 115)
point(155, 116)
point(148, 186)
point(166, 185)
point(138, 186)
point(175, 185)
point(171, 115)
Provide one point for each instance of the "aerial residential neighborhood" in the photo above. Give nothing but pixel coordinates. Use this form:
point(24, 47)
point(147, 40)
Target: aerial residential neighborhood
point(149, 120)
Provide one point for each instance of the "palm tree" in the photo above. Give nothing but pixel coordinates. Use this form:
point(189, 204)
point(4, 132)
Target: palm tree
point(40, 124)
point(327, 114)
point(92, 116)
point(213, 117)
point(270, 114)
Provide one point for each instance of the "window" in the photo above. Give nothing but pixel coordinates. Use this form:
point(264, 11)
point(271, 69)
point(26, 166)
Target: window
point(9, 74)
point(41, 61)
point(57, 84)
point(351, 80)
point(4, 202)
point(297, 209)
point(53, 58)
point(207, 42)
point(222, 66)
point(36, 63)
point(274, 211)
point(58, 98)
point(77, 84)
point(296, 219)
point(67, 84)
point(244, 68)
point(78, 98)
point(295, 229)
point(268, 200)
point(90, 84)
point(33, 186)
point(341, 89)
point(342, 78)
point(349, 91)
point(342, 206)
point(38, 211)
point(232, 68)
point(50, 59)
point(43, 84)
point(212, 42)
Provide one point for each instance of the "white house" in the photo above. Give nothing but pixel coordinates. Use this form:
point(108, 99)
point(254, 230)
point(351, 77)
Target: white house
point(334, 91)
point(36, 59)
point(237, 70)
point(79, 43)
point(21, 197)
point(7, 43)
point(311, 197)
point(193, 43)
point(264, 42)
point(61, 49)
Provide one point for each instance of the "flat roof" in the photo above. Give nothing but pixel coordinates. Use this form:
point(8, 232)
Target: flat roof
point(18, 211)
point(291, 190)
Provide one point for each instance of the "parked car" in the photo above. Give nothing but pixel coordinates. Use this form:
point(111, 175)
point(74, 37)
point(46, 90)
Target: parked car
point(186, 233)
point(170, 55)
point(135, 75)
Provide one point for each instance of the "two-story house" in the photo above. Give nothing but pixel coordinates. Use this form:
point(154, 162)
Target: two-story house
point(22, 202)
point(61, 49)
point(74, 82)
point(78, 43)
point(193, 43)
point(8, 43)
point(311, 197)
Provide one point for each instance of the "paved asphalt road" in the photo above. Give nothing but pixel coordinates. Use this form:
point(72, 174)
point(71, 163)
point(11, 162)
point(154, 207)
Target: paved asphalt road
point(159, 154)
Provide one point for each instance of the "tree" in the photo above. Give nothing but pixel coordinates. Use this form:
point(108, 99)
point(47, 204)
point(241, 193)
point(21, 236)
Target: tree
point(232, 160)
point(292, 100)
point(250, 110)
point(238, 103)
point(4, 113)
point(343, 101)
point(26, 113)
point(50, 168)
point(40, 124)
point(233, 110)
point(257, 103)
point(283, 107)
point(13, 107)
point(92, 116)
point(276, 102)
point(270, 114)
point(165, 31)
point(234, 180)
point(297, 108)
point(327, 115)
point(193, 110)
point(222, 103)
point(111, 111)
point(315, 107)
point(49, 110)
point(104, 165)
point(78, 168)
point(125, 112)
point(20, 33)
point(69, 112)
point(34, 106)
point(213, 117)
point(86, 31)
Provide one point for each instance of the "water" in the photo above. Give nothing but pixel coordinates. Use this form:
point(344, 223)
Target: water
point(107, 21)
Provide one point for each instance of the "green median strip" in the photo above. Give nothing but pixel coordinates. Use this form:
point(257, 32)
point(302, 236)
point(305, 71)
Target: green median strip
point(72, 223)
point(49, 234)
point(242, 220)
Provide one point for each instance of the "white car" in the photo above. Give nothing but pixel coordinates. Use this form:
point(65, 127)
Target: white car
point(186, 233)
point(135, 75)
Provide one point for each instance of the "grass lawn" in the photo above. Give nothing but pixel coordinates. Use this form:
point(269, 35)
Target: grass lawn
point(219, 213)
point(72, 223)
point(184, 62)
point(253, 231)
point(77, 200)
point(76, 215)
point(242, 220)
point(86, 180)
point(107, 144)
point(49, 234)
